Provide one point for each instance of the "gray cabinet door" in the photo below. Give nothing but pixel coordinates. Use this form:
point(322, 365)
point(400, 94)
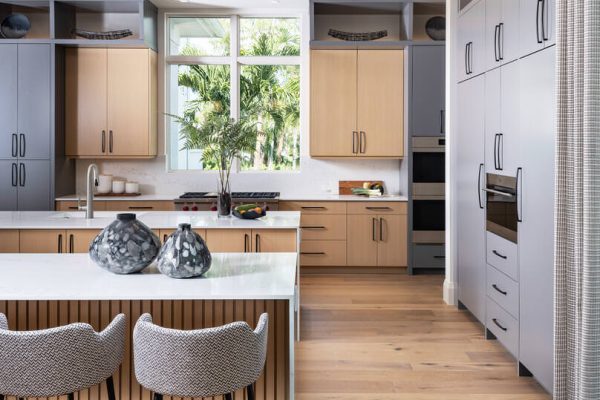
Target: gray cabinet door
point(8, 100)
point(428, 90)
point(469, 197)
point(537, 25)
point(8, 185)
point(34, 185)
point(536, 231)
point(34, 101)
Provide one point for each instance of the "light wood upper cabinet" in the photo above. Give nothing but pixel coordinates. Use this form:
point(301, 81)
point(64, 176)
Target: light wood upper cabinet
point(380, 117)
point(357, 103)
point(111, 109)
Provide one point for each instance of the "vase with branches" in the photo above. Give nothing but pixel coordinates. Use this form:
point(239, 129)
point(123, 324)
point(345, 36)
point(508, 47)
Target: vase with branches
point(221, 140)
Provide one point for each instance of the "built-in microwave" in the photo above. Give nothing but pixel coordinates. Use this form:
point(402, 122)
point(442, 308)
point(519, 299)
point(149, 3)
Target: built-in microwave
point(502, 215)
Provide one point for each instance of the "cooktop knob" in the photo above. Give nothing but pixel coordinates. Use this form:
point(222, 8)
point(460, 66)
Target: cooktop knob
point(186, 208)
point(195, 208)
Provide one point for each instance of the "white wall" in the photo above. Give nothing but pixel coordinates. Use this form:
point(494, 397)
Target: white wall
point(314, 177)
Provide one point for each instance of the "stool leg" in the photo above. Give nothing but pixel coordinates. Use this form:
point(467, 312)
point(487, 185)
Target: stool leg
point(158, 396)
point(250, 391)
point(71, 396)
point(110, 387)
point(228, 396)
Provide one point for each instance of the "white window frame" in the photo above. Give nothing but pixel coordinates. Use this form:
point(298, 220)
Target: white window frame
point(235, 61)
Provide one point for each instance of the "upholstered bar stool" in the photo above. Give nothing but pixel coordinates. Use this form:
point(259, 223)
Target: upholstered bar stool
point(199, 363)
point(58, 361)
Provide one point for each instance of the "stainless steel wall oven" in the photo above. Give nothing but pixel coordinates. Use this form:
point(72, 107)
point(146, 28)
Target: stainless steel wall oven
point(502, 205)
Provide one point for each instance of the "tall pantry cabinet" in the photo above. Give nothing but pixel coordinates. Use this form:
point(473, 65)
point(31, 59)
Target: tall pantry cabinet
point(506, 126)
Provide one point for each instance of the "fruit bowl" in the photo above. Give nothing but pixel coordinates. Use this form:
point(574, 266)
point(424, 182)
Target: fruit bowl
point(249, 211)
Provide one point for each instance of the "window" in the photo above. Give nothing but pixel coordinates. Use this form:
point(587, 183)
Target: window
point(243, 67)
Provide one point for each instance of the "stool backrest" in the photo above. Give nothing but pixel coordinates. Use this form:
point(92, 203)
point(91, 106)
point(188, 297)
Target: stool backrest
point(199, 363)
point(58, 361)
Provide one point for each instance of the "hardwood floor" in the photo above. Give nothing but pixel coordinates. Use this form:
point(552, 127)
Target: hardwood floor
point(367, 337)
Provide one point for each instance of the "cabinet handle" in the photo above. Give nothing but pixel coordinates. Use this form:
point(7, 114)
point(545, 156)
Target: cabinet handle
point(110, 141)
point(313, 253)
point(165, 238)
point(14, 174)
point(60, 238)
point(537, 21)
point(379, 208)
point(467, 59)
point(354, 142)
point(313, 208)
point(257, 243)
point(496, 29)
point(500, 151)
point(22, 145)
point(499, 255)
point(501, 41)
point(499, 290)
point(440, 257)
point(374, 229)
point(479, 186)
point(22, 174)
point(363, 144)
point(381, 229)
point(496, 151)
point(495, 321)
point(544, 18)
point(312, 227)
point(15, 145)
point(470, 58)
point(518, 195)
point(103, 143)
point(71, 244)
point(141, 208)
point(246, 242)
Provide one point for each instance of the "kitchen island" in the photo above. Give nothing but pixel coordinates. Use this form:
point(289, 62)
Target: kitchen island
point(44, 290)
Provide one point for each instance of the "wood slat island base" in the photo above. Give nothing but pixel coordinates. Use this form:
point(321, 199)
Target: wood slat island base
point(178, 314)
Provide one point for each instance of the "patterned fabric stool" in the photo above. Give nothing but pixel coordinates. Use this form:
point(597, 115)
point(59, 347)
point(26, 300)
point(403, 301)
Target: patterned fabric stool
point(58, 361)
point(199, 363)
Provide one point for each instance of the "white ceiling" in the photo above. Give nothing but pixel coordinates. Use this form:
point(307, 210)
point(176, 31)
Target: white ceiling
point(233, 4)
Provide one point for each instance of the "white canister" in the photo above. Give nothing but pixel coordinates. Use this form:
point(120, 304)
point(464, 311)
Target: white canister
point(104, 183)
point(132, 187)
point(118, 186)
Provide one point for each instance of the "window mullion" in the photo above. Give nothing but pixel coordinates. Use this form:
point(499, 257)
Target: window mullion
point(234, 96)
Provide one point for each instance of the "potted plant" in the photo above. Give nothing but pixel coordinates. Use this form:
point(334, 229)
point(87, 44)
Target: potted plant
point(222, 140)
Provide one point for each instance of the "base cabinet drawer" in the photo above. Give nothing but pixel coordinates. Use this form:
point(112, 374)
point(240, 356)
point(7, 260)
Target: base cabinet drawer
point(323, 227)
point(314, 207)
point(323, 253)
point(504, 326)
point(377, 207)
point(139, 205)
point(69, 205)
point(429, 256)
point(503, 255)
point(503, 290)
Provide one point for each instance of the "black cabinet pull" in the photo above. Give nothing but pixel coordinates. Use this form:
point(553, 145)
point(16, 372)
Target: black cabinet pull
point(110, 141)
point(440, 257)
point(374, 229)
point(500, 150)
point(363, 143)
point(313, 253)
point(518, 195)
point(470, 58)
point(60, 238)
point(71, 244)
point(354, 142)
point(544, 15)
point(499, 290)
point(257, 243)
point(479, 186)
point(22, 174)
point(14, 175)
point(103, 143)
point(165, 238)
point(496, 29)
point(246, 242)
point(501, 41)
point(379, 208)
point(467, 59)
point(312, 227)
point(22, 145)
point(313, 208)
point(495, 151)
point(499, 255)
point(381, 229)
point(495, 321)
point(141, 208)
point(537, 21)
point(15, 145)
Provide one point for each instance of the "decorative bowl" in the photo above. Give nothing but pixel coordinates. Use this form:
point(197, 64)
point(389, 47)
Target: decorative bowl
point(15, 26)
point(249, 214)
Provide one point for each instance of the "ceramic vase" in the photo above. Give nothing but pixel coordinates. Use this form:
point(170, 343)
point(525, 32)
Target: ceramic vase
point(184, 254)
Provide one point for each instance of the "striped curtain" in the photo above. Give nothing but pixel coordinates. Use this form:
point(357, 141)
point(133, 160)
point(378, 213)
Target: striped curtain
point(577, 258)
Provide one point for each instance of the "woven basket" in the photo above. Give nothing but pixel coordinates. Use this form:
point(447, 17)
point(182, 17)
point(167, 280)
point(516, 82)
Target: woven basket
point(112, 35)
point(357, 37)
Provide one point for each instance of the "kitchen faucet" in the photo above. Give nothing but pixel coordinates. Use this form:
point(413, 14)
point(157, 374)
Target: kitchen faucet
point(92, 180)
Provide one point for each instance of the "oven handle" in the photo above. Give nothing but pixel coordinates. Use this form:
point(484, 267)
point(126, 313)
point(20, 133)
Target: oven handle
point(498, 192)
point(479, 186)
point(519, 194)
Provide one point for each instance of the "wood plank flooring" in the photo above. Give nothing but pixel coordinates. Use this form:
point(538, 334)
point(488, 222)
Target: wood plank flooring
point(391, 337)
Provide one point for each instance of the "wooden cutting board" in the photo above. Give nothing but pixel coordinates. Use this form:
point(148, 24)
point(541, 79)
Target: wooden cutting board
point(345, 187)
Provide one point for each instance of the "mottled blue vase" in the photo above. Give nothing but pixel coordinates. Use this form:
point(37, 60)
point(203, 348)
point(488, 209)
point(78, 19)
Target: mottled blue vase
point(184, 254)
point(125, 246)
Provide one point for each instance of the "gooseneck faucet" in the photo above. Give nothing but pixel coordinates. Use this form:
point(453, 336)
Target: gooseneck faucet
point(92, 181)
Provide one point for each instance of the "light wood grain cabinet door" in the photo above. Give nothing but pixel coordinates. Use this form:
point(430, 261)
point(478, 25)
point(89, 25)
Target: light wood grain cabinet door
point(361, 240)
point(229, 240)
point(333, 103)
point(274, 240)
point(79, 240)
point(85, 102)
point(42, 241)
point(129, 84)
point(380, 117)
point(392, 244)
point(9, 241)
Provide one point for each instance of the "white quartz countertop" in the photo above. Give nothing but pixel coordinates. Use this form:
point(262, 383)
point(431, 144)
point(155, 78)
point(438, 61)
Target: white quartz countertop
point(282, 197)
point(154, 220)
point(232, 276)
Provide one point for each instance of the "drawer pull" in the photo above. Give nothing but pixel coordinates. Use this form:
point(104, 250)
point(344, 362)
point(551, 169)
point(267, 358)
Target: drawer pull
point(73, 208)
point(499, 255)
point(141, 207)
point(313, 253)
point(246, 242)
point(313, 208)
point(312, 227)
point(495, 321)
point(378, 208)
point(440, 257)
point(499, 290)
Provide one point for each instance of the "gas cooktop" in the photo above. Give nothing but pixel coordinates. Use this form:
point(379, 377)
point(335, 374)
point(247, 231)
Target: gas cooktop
point(235, 195)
